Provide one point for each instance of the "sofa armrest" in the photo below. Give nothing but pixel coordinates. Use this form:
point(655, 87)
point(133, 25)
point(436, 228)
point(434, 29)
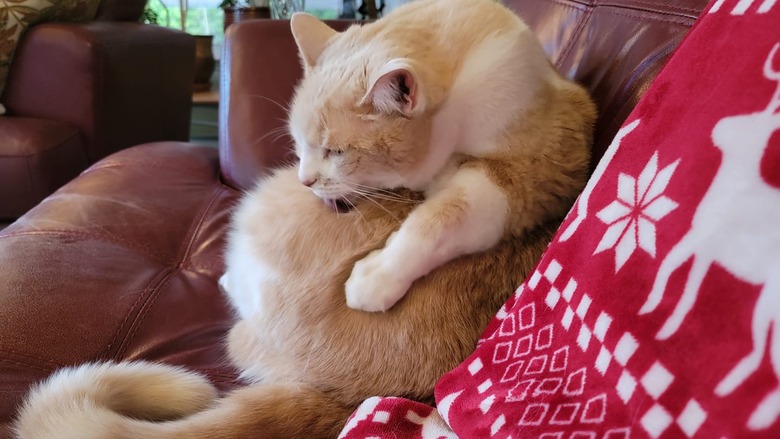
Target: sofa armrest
point(119, 83)
point(260, 68)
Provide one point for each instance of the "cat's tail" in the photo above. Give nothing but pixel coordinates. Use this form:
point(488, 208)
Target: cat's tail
point(146, 400)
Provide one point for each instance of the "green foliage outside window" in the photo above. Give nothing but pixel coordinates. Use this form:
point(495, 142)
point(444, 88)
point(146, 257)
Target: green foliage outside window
point(200, 21)
point(203, 20)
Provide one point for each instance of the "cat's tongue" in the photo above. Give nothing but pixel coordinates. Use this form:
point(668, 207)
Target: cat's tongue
point(337, 205)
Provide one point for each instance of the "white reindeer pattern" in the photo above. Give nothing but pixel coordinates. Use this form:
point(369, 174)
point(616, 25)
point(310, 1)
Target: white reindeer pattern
point(738, 196)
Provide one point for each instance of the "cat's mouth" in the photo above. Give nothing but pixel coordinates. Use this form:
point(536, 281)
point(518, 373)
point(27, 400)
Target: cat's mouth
point(338, 205)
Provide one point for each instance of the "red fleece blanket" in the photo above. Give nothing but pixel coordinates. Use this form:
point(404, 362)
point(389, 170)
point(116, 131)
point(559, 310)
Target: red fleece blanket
point(656, 310)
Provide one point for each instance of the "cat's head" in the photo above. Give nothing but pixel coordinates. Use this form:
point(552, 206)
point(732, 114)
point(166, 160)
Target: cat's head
point(358, 116)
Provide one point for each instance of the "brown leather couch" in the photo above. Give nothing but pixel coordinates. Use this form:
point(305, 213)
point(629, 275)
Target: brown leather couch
point(79, 92)
point(122, 263)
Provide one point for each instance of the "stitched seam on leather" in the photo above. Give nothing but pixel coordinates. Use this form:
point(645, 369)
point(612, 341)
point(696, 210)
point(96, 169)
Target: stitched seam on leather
point(7, 354)
point(104, 353)
point(670, 18)
point(152, 298)
point(157, 257)
point(653, 7)
point(584, 19)
point(141, 315)
point(188, 264)
point(29, 366)
point(633, 85)
point(666, 17)
point(120, 329)
point(572, 4)
point(195, 229)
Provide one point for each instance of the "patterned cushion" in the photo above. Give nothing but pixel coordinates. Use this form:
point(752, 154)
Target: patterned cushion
point(655, 312)
point(16, 16)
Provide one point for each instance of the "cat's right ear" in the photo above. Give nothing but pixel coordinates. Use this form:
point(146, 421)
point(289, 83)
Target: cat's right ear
point(395, 89)
point(311, 35)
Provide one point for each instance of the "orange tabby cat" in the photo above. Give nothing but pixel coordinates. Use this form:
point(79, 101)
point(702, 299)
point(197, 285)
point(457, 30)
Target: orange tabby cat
point(452, 99)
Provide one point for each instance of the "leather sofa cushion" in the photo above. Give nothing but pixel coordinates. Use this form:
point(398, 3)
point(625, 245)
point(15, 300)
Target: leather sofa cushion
point(25, 13)
point(38, 156)
point(120, 264)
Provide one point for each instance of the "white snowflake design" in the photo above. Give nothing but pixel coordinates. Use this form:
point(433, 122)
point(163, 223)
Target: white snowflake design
point(640, 204)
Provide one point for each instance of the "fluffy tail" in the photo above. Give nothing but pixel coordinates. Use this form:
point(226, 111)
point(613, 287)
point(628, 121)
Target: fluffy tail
point(146, 400)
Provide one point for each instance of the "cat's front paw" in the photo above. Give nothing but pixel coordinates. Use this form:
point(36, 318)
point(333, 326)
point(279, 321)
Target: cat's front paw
point(373, 286)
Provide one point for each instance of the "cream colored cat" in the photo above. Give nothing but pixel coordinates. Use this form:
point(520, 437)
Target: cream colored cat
point(452, 99)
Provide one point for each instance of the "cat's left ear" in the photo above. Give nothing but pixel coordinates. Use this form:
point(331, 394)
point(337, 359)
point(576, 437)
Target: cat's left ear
point(311, 35)
point(395, 89)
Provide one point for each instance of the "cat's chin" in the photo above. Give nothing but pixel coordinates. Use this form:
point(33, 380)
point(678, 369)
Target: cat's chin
point(338, 205)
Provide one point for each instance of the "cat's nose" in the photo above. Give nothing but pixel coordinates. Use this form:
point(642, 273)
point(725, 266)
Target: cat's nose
point(309, 182)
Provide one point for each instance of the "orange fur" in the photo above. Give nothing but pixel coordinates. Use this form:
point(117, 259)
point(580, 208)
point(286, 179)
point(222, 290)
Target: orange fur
point(309, 358)
point(452, 98)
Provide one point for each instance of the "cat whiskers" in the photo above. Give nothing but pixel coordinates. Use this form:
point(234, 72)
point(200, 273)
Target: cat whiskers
point(354, 208)
point(381, 193)
point(277, 132)
point(286, 109)
point(369, 198)
point(280, 131)
point(376, 196)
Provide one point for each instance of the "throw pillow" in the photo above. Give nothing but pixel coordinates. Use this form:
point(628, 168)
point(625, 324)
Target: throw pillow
point(16, 16)
point(655, 312)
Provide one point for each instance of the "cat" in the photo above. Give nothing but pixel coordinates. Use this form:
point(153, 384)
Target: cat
point(370, 129)
point(455, 99)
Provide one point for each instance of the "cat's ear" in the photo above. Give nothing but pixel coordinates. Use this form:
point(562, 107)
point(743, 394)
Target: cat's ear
point(311, 35)
point(395, 89)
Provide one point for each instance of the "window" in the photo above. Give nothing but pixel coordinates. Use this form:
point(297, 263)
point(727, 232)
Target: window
point(204, 17)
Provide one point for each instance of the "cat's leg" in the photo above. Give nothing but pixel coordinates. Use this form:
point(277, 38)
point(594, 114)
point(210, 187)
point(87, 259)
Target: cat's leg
point(464, 214)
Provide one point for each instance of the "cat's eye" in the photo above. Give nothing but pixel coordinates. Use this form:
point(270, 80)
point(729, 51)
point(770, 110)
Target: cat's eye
point(336, 152)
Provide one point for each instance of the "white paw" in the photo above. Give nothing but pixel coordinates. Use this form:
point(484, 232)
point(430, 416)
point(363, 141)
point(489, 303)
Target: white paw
point(373, 286)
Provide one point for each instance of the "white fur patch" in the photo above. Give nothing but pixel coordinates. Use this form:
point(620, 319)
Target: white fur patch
point(244, 281)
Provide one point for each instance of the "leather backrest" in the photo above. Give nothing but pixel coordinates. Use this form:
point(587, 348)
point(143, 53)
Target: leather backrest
point(260, 68)
point(614, 47)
